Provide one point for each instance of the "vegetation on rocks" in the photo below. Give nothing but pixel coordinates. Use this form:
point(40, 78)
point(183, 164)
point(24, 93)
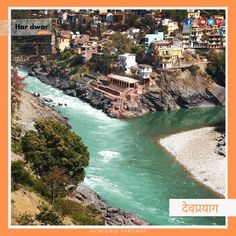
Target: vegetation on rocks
point(216, 67)
point(86, 215)
point(25, 219)
point(193, 69)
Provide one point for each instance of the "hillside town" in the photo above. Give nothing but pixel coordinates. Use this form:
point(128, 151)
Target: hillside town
point(122, 53)
point(79, 80)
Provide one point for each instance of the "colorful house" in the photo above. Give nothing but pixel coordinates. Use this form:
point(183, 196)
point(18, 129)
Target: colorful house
point(169, 56)
point(149, 38)
point(87, 50)
point(172, 26)
point(64, 40)
point(186, 34)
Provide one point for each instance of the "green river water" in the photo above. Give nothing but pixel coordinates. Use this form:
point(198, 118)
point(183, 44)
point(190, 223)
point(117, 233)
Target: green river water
point(128, 168)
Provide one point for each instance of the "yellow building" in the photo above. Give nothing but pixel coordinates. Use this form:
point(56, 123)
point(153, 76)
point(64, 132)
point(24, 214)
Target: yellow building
point(169, 56)
point(174, 52)
point(172, 26)
point(63, 44)
point(64, 40)
point(193, 14)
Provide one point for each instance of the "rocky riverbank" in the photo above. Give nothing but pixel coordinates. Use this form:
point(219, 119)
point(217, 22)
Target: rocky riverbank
point(197, 150)
point(173, 89)
point(32, 108)
point(60, 79)
point(112, 216)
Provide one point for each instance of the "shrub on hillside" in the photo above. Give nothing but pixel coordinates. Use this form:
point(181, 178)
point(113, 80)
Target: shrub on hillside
point(19, 175)
point(25, 219)
point(48, 216)
point(83, 215)
point(193, 69)
point(216, 67)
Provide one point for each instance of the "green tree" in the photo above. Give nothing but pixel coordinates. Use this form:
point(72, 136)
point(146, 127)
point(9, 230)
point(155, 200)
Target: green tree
point(204, 37)
point(177, 15)
point(54, 144)
point(139, 51)
point(118, 44)
point(132, 20)
point(20, 14)
point(121, 42)
point(216, 67)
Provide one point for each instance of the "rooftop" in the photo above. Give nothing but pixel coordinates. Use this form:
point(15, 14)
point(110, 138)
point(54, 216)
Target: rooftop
point(163, 42)
point(141, 66)
point(123, 78)
point(127, 54)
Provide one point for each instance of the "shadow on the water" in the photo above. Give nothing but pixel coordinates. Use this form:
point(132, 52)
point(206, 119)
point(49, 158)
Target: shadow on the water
point(167, 122)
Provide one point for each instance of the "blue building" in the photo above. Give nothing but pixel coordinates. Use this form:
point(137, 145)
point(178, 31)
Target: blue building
point(149, 38)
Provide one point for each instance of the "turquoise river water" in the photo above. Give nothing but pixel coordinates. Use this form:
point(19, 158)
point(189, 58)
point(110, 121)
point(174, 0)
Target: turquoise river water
point(128, 168)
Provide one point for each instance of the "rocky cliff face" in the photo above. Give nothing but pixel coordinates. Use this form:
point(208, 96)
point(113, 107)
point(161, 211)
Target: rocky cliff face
point(177, 89)
point(173, 89)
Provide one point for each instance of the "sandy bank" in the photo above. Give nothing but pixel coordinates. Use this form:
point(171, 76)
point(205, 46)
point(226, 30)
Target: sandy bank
point(195, 150)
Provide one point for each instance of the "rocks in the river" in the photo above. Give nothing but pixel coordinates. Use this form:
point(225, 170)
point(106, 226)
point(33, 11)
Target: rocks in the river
point(47, 99)
point(221, 145)
point(36, 94)
point(112, 216)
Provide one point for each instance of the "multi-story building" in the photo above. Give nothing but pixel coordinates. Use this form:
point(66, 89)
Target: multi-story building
point(87, 50)
point(215, 40)
point(201, 37)
point(144, 71)
point(64, 40)
point(169, 56)
point(149, 38)
point(167, 53)
point(186, 34)
point(172, 26)
point(126, 61)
